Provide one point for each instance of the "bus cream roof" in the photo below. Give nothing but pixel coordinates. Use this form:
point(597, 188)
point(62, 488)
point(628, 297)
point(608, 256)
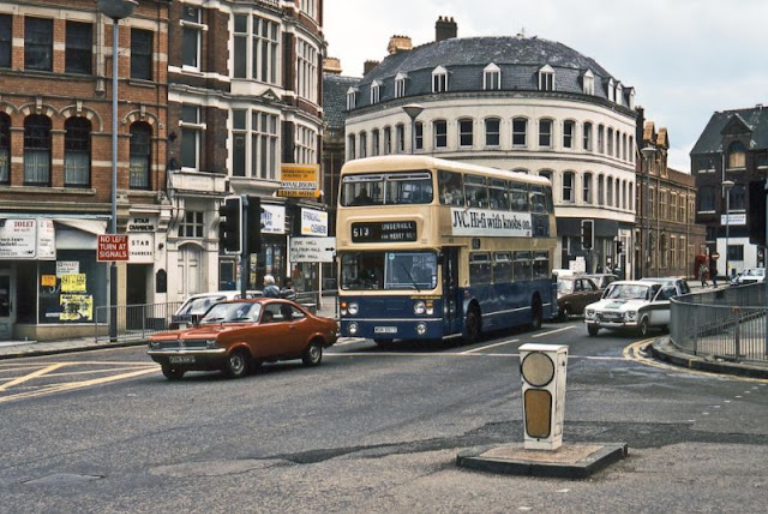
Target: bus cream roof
point(411, 162)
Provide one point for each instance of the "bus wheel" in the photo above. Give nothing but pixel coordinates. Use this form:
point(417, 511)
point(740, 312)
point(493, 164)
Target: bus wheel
point(536, 314)
point(472, 326)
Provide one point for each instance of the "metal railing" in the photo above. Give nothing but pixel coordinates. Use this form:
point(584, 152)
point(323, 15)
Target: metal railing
point(729, 323)
point(138, 322)
point(134, 322)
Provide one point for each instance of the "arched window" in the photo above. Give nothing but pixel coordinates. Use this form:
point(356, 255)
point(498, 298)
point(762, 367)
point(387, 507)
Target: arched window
point(586, 195)
point(141, 155)
point(37, 150)
point(77, 152)
point(492, 134)
point(600, 189)
point(466, 138)
point(5, 149)
point(363, 144)
point(736, 155)
point(568, 185)
point(569, 132)
point(519, 132)
point(491, 78)
point(375, 142)
point(588, 136)
point(609, 190)
point(440, 128)
point(545, 133)
point(351, 146)
point(439, 80)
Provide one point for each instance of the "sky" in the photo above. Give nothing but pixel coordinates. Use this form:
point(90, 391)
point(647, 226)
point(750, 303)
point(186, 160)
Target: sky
point(686, 59)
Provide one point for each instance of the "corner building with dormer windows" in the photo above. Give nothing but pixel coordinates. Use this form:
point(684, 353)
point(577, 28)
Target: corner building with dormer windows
point(519, 103)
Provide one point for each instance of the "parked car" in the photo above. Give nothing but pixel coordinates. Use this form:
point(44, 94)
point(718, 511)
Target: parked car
point(196, 305)
point(603, 280)
point(681, 285)
point(751, 276)
point(574, 293)
point(635, 305)
point(236, 336)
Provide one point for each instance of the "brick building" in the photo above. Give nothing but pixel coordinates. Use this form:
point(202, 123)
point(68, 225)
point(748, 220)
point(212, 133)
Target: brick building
point(214, 99)
point(56, 155)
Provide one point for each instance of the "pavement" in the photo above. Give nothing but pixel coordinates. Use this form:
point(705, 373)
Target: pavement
point(661, 349)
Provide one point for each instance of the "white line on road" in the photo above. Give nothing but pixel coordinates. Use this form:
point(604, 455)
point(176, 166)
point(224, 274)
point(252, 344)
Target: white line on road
point(490, 346)
point(552, 332)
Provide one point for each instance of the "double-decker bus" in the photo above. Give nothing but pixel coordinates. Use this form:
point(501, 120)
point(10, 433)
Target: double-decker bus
point(429, 248)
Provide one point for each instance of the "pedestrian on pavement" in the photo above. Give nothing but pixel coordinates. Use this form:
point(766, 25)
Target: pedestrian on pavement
point(713, 272)
point(703, 274)
point(270, 289)
point(287, 291)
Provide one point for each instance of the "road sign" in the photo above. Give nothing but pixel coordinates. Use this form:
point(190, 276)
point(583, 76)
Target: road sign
point(112, 247)
point(715, 255)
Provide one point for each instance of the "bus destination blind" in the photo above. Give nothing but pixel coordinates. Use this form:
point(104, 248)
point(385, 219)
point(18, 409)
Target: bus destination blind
point(383, 231)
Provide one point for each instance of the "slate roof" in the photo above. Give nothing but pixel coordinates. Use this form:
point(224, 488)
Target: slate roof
point(519, 59)
point(755, 119)
point(335, 99)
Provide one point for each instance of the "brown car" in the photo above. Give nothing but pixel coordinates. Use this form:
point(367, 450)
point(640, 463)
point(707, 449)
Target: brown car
point(239, 335)
point(574, 293)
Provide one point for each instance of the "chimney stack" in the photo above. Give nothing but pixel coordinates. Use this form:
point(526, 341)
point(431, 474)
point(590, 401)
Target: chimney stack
point(399, 44)
point(332, 66)
point(445, 28)
point(368, 66)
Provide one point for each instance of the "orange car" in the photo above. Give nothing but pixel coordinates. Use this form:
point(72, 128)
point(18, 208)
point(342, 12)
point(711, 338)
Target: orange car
point(239, 335)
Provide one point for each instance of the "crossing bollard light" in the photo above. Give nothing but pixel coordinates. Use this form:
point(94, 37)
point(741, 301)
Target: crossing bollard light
point(543, 368)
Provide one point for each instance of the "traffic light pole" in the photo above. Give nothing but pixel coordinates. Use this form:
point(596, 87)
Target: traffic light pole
point(244, 248)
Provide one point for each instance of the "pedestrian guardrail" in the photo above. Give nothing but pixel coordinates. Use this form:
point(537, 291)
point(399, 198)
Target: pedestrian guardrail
point(138, 322)
point(729, 323)
point(133, 322)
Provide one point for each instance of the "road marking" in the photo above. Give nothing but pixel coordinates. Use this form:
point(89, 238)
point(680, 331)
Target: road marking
point(635, 352)
point(490, 346)
point(30, 376)
point(552, 332)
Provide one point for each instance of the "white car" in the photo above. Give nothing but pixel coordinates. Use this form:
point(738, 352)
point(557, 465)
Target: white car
point(196, 305)
point(635, 305)
point(751, 276)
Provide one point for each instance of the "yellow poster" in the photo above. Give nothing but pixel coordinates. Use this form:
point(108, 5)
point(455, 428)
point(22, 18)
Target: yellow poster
point(73, 283)
point(76, 307)
point(48, 281)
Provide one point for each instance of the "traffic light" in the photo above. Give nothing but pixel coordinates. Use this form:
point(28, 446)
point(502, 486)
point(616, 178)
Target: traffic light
point(587, 234)
point(230, 224)
point(542, 369)
point(756, 213)
point(253, 238)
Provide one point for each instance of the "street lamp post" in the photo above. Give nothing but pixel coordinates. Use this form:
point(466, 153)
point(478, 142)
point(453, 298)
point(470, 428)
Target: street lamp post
point(413, 111)
point(649, 152)
point(727, 185)
point(117, 10)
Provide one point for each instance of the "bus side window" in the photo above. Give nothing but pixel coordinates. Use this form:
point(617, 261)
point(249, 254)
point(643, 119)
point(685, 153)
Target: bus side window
point(451, 192)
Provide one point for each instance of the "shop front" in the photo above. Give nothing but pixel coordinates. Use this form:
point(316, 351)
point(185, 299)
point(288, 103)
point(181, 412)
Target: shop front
point(50, 281)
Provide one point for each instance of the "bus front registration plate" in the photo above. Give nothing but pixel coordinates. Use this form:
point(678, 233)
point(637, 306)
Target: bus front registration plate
point(385, 330)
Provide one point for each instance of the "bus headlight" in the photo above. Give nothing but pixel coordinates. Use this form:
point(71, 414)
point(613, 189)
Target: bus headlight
point(419, 308)
point(353, 308)
point(430, 308)
point(343, 308)
point(421, 329)
point(353, 329)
